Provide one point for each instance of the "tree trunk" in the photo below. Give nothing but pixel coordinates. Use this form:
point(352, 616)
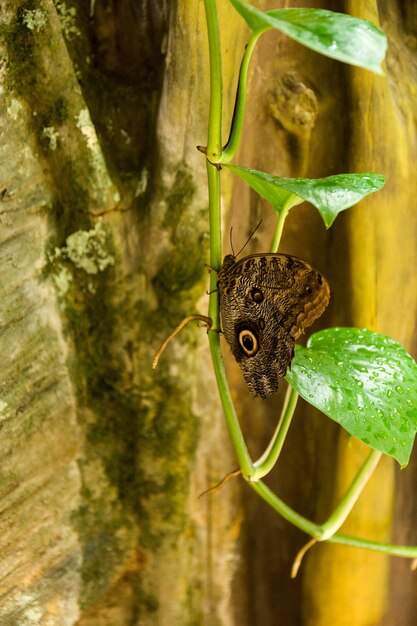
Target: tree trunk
point(104, 240)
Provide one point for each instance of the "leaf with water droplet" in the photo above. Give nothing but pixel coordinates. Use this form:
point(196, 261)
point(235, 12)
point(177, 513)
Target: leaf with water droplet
point(388, 409)
point(336, 35)
point(329, 195)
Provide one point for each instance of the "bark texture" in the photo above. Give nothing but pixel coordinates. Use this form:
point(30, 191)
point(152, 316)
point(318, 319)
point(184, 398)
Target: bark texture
point(103, 240)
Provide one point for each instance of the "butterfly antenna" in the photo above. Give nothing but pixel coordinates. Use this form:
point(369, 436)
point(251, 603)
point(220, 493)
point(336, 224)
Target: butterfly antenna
point(231, 241)
point(247, 241)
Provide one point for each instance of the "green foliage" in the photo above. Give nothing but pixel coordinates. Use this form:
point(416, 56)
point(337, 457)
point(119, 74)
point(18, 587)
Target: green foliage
point(335, 35)
point(326, 379)
point(329, 195)
point(364, 381)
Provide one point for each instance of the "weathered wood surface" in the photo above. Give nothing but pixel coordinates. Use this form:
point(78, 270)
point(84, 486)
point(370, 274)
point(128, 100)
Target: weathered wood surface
point(104, 460)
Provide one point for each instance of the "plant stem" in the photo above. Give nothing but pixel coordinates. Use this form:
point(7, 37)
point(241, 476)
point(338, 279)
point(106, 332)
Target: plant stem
point(214, 141)
point(293, 200)
point(240, 103)
point(316, 531)
point(284, 510)
point(214, 191)
point(232, 421)
point(213, 175)
point(266, 462)
point(409, 552)
point(339, 515)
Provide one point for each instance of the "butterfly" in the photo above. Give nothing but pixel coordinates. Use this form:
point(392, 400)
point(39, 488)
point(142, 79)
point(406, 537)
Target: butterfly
point(266, 302)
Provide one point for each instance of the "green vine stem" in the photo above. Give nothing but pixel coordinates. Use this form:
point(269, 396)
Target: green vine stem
point(214, 141)
point(326, 530)
point(213, 175)
point(239, 110)
point(339, 515)
point(232, 421)
point(293, 200)
point(266, 462)
point(316, 531)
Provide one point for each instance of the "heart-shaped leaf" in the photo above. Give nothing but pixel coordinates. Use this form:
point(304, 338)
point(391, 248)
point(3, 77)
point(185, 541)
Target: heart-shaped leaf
point(336, 35)
point(329, 195)
point(363, 380)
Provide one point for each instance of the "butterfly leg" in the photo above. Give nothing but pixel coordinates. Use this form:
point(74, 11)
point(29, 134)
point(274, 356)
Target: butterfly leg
point(196, 316)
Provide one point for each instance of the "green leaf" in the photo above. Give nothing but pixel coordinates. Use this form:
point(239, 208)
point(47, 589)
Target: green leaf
point(329, 195)
point(364, 381)
point(336, 35)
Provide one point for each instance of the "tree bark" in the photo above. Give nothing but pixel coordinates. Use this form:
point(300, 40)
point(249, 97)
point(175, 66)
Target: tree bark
point(104, 244)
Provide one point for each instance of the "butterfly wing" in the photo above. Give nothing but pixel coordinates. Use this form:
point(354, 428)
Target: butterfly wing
point(266, 302)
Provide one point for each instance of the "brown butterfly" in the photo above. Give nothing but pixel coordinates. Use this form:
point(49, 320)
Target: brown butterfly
point(266, 302)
